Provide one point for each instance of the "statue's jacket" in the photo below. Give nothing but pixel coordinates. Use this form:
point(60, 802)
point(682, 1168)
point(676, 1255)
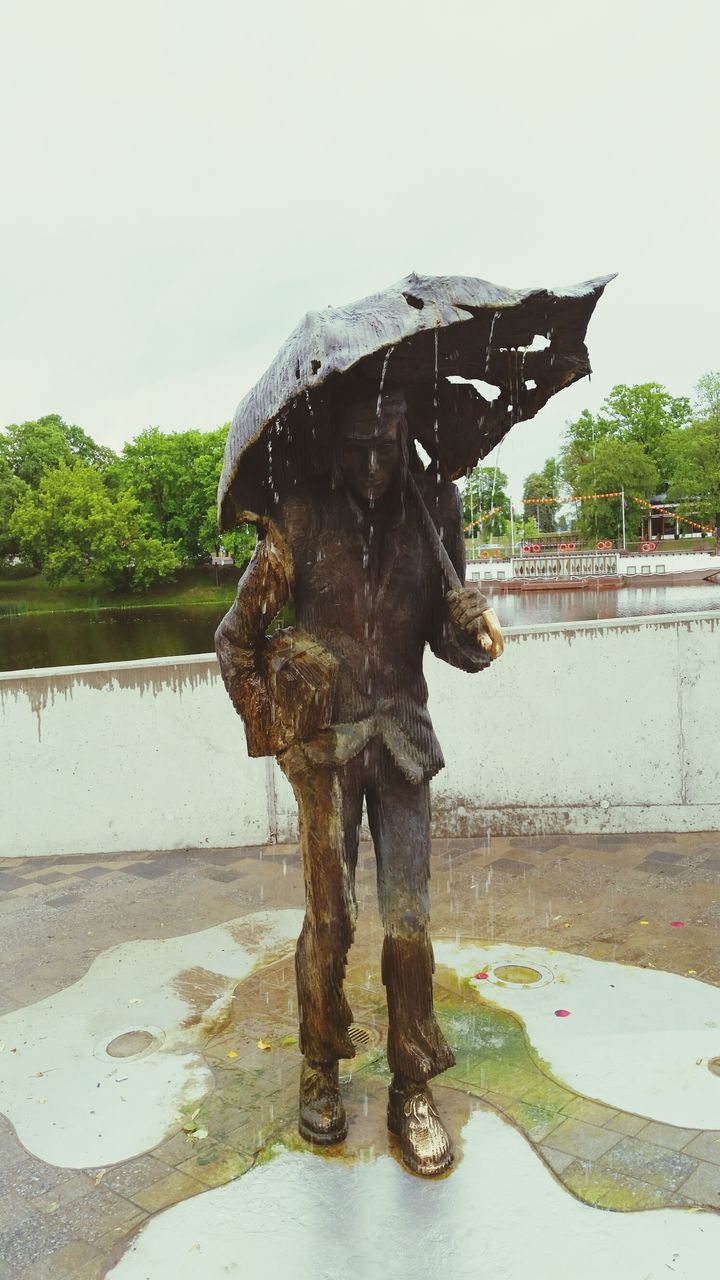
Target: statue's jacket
point(372, 594)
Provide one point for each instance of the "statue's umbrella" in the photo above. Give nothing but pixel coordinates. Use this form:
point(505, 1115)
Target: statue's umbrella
point(416, 335)
point(529, 343)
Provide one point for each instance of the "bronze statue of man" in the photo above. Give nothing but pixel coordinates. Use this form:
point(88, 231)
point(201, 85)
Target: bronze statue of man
point(353, 551)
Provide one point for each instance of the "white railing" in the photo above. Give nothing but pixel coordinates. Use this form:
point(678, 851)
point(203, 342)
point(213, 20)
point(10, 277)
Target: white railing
point(574, 564)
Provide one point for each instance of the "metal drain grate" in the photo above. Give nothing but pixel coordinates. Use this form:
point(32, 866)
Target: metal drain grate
point(362, 1037)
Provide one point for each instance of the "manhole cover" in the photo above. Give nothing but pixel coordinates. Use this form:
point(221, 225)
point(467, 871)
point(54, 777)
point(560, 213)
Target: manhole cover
point(129, 1044)
point(714, 1066)
point(362, 1036)
point(510, 974)
point(519, 974)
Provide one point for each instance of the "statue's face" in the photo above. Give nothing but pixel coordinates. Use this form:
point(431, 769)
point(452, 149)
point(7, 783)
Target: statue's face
point(369, 456)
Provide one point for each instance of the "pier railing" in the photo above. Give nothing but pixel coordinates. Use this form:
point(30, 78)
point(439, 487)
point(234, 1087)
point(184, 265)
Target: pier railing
point(574, 564)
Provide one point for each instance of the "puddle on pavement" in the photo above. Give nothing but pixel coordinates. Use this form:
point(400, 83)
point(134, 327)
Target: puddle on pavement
point(345, 1219)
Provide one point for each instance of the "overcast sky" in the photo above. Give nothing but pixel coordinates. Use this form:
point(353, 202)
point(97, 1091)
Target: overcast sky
point(183, 179)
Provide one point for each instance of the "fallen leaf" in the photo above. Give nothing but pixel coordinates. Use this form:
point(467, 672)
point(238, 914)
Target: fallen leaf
point(562, 1013)
point(568, 925)
point(692, 973)
point(232, 1054)
point(99, 1176)
point(677, 924)
point(264, 1044)
point(288, 1040)
point(643, 921)
point(480, 976)
point(190, 1127)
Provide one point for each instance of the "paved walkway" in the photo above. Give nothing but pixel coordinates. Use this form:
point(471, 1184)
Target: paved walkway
point(649, 901)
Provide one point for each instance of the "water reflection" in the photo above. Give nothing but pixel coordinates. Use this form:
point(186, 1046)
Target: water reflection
point(119, 635)
point(106, 635)
point(533, 608)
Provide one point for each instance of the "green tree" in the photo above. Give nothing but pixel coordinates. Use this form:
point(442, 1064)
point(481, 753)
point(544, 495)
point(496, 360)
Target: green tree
point(34, 447)
point(543, 484)
point(175, 477)
point(617, 464)
point(645, 415)
point(695, 483)
point(11, 491)
point(486, 491)
point(72, 528)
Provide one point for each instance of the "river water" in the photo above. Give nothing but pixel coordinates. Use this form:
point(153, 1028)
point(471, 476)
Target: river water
point(117, 635)
point(522, 608)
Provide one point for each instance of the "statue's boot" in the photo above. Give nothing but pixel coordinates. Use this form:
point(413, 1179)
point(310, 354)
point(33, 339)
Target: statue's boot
point(322, 1114)
point(425, 1144)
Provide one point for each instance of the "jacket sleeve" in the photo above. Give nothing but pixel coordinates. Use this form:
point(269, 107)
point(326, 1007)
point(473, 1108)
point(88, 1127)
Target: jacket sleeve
point(263, 590)
point(447, 640)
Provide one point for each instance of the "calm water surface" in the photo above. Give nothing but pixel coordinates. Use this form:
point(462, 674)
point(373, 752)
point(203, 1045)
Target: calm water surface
point(117, 635)
point(536, 607)
point(108, 635)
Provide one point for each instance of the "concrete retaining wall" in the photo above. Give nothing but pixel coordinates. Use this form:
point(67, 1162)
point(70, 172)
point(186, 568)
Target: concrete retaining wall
point(602, 727)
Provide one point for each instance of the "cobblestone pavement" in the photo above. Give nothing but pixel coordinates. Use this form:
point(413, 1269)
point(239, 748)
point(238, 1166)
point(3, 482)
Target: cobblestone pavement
point(583, 894)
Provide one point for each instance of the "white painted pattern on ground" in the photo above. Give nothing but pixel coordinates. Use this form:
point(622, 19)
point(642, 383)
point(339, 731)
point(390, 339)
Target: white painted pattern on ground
point(73, 1106)
point(637, 1039)
point(499, 1214)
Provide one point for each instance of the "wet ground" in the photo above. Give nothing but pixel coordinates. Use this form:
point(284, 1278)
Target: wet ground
point(165, 1070)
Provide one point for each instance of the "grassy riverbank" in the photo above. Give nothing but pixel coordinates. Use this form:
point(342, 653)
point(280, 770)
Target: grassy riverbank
point(21, 593)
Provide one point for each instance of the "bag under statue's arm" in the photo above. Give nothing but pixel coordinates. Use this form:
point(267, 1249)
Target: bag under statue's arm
point(282, 685)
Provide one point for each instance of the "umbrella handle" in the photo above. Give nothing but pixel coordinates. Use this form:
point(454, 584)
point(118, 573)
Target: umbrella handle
point(446, 564)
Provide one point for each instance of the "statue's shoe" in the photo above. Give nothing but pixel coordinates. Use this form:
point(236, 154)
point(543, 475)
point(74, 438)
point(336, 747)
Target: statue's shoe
point(322, 1114)
point(425, 1144)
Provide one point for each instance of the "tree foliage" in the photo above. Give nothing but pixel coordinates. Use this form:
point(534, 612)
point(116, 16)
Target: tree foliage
point(175, 478)
point(11, 491)
point(645, 416)
point(543, 484)
point(34, 447)
point(631, 444)
point(486, 491)
point(696, 456)
point(162, 491)
point(71, 527)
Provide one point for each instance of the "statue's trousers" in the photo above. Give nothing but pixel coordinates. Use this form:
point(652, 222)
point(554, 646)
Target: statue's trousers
point(330, 800)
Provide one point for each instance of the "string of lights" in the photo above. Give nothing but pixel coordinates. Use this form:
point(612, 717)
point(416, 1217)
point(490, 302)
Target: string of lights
point(618, 493)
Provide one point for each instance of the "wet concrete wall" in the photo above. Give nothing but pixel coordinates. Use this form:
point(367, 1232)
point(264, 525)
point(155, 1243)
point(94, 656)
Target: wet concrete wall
point(130, 756)
point(602, 727)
